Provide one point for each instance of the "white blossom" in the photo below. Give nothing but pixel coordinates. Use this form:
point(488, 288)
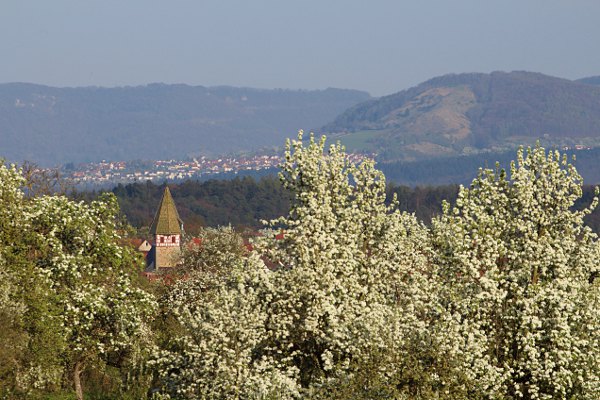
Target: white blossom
point(518, 267)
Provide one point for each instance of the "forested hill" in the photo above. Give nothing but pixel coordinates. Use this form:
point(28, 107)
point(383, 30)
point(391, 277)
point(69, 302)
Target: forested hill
point(464, 113)
point(244, 202)
point(50, 126)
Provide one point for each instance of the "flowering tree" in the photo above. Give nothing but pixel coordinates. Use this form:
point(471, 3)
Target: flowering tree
point(353, 288)
point(30, 340)
point(518, 266)
point(350, 289)
point(12, 309)
point(219, 306)
point(208, 258)
point(74, 278)
point(103, 313)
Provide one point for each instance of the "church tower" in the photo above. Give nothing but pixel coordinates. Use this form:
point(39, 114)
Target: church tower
point(167, 229)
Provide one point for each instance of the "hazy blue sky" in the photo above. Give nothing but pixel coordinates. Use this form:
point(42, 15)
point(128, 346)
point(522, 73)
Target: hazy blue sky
point(379, 46)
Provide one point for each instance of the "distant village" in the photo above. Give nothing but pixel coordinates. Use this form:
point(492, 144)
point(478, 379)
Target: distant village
point(114, 172)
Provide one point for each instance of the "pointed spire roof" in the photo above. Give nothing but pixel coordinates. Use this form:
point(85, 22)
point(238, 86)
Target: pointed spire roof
point(166, 221)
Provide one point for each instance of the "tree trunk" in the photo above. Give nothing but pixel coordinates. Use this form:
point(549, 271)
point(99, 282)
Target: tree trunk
point(77, 380)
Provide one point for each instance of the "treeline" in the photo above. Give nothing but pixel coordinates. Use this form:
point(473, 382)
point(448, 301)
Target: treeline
point(240, 202)
point(245, 202)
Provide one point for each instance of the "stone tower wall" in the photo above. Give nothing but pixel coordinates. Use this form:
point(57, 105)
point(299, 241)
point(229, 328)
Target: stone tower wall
point(167, 256)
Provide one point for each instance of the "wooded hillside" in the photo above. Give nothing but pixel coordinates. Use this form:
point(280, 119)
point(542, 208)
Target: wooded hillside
point(464, 113)
point(49, 125)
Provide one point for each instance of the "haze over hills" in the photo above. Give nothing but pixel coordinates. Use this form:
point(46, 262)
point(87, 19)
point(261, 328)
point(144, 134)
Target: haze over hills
point(468, 113)
point(50, 126)
point(591, 80)
point(447, 116)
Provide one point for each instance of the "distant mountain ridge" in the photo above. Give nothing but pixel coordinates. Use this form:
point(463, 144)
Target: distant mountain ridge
point(466, 113)
point(52, 126)
point(591, 80)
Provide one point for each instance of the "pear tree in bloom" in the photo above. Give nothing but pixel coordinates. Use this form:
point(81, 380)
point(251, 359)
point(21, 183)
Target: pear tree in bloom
point(518, 267)
point(13, 340)
point(74, 281)
point(102, 313)
point(30, 338)
point(209, 259)
point(219, 305)
point(353, 305)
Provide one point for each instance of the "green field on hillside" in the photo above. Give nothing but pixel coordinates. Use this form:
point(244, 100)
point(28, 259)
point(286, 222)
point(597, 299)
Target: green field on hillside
point(366, 140)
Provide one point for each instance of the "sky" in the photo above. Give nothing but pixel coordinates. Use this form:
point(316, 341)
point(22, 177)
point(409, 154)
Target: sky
point(379, 46)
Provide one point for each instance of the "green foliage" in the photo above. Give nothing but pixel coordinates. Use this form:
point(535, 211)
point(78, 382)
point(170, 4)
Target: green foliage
point(70, 302)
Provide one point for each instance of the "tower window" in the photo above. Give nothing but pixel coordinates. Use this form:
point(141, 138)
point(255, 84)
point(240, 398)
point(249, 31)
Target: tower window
point(162, 239)
point(172, 239)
